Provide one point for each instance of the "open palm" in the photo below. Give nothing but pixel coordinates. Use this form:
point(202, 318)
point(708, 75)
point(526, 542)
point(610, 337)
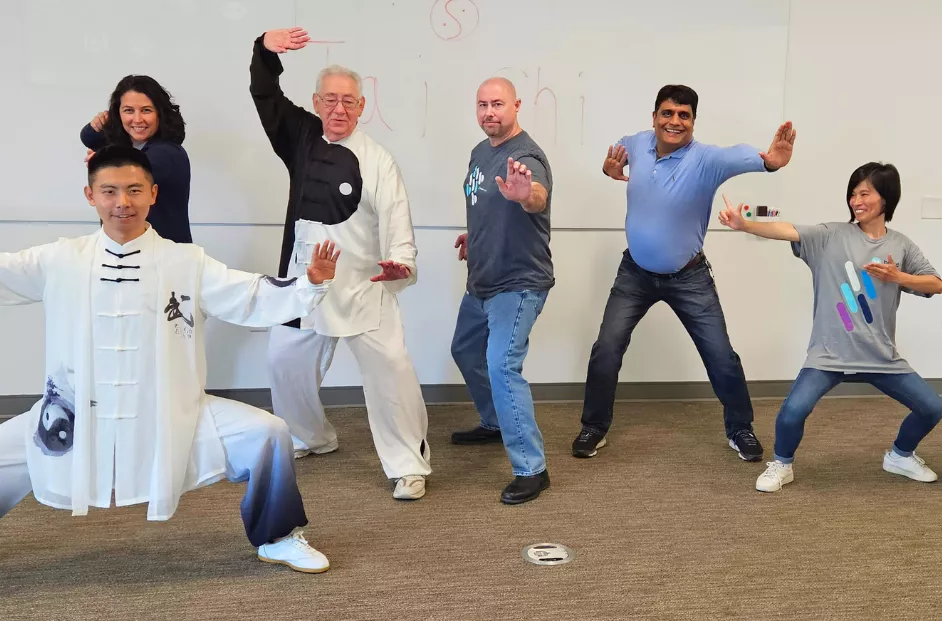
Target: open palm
point(280, 41)
point(323, 263)
point(518, 186)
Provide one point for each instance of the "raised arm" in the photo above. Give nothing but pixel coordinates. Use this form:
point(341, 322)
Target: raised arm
point(522, 188)
point(23, 275)
point(732, 217)
point(396, 235)
point(255, 300)
point(93, 135)
point(728, 162)
point(282, 120)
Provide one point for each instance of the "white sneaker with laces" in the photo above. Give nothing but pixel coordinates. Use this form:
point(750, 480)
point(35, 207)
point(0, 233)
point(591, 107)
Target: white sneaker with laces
point(410, 487)
point(775, 476)
point(913, 467)
point(295, 552)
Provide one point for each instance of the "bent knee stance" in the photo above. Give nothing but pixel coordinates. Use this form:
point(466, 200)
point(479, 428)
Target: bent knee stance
point(933, 412)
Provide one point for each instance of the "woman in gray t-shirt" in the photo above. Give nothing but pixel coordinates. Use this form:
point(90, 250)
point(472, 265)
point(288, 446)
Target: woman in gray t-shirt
point(859, 269)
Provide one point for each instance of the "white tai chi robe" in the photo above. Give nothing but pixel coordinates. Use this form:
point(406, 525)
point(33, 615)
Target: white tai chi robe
point(124, 406)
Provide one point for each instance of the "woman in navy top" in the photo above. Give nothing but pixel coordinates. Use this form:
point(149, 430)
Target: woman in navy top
point(141, 114)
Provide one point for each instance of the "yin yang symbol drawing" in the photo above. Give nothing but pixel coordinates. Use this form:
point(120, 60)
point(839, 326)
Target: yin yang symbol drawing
point(454, 20)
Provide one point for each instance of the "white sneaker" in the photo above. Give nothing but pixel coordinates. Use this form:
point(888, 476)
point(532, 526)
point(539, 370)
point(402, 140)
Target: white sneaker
point(913, 467)
point(410, 487)
point(301, 451)
point(775, 476)
point(294, 552)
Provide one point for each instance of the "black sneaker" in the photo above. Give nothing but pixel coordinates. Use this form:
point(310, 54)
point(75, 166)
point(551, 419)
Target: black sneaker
point(478, 435)
point(747, 445)
point(588, 443)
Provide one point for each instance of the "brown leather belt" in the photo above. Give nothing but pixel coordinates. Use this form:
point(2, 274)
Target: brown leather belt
point(695, 260)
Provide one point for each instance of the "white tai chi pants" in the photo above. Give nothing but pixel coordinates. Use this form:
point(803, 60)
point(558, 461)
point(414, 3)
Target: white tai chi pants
point(258, 450)
point(298, 361)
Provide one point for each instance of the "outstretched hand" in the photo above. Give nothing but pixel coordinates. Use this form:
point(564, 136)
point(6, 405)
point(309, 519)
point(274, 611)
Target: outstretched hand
point(732, 216)
point(323, 263)
point(518, 185)
point(280, 41)
point(391, 271)
point(780, 151)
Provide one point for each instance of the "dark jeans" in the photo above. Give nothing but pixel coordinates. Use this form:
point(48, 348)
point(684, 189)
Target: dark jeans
point(691, 294)
point(812, 384)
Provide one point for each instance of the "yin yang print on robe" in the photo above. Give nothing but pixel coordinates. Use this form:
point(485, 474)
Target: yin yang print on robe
point(56, 428)
point(332, 185)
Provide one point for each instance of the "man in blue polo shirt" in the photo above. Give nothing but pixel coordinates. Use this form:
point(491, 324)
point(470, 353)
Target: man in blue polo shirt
point(673, 180)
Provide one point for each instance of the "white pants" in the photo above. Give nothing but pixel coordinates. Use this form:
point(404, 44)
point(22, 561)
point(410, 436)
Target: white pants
point(298, 361)
point(258, 449)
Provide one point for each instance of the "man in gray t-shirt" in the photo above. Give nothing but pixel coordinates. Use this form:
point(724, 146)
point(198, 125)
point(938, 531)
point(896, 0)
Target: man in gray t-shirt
point(859, 269)
point(508, 246)
point(508, 191)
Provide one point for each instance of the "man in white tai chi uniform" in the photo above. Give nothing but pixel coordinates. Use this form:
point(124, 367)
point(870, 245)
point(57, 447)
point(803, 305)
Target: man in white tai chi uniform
point(124, 409)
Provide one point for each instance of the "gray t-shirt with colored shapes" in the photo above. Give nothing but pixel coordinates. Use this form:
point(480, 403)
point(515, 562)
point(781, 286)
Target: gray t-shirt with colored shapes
point(508, 248)
point(854, 327)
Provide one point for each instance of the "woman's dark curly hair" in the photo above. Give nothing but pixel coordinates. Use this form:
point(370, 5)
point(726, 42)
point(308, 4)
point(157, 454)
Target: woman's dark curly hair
point(170, 125)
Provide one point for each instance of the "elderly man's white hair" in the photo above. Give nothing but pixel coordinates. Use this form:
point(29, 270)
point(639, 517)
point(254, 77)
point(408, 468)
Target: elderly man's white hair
point(339, 70)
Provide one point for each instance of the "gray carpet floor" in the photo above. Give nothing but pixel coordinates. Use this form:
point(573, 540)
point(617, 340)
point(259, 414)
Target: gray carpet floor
point(664, 524)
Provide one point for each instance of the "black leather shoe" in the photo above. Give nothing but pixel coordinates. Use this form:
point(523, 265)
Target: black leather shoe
point(522, 489)
point(478, 435)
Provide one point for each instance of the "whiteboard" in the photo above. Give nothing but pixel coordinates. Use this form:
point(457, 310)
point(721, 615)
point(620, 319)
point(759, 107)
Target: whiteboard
point(587, 73)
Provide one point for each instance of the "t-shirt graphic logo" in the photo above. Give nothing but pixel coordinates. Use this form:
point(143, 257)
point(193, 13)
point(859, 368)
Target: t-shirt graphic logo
point(474, 184)
point(850, 289)
point(173, 309)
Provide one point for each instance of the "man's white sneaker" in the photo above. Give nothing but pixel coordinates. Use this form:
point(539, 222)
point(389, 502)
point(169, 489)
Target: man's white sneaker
point(294, 552)
point(410, 487)
point(775, 476)
point(913, 467)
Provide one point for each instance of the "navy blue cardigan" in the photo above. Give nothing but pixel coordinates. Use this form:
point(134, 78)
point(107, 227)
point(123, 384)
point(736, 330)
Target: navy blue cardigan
point(170, 214)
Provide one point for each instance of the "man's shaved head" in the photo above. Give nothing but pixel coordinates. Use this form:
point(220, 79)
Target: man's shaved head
point(501, 83)
point(497, 107)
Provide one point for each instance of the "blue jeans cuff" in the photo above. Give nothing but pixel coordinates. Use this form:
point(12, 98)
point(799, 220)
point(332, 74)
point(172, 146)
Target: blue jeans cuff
point(902, 453)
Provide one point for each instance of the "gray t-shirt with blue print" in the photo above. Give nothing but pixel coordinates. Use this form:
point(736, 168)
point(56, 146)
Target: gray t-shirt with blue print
point(508, 248)
point(854, 327)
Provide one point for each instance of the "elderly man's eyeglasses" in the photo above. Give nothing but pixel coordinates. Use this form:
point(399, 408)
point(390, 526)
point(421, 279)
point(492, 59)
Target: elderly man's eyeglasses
point(331, 101)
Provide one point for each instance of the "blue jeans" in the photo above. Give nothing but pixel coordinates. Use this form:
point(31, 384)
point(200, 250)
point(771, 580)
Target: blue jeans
point(691, 294)
point(491, 340)
point(812, 384)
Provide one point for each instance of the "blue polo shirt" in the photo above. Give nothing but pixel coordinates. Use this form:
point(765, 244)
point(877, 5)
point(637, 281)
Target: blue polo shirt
point(670, 198)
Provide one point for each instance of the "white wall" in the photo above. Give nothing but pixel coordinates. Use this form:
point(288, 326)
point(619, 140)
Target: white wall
point(860, 86)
